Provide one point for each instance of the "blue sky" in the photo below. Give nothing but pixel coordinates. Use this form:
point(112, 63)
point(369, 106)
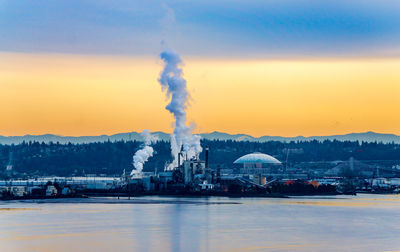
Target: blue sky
point(254, 29)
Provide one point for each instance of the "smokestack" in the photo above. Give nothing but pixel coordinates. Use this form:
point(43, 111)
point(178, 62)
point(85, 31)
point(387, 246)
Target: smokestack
point(179, 158)
point(207, 148)
point(218, 174)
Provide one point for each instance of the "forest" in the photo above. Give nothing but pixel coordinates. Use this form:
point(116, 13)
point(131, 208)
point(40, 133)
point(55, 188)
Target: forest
point(112, 158)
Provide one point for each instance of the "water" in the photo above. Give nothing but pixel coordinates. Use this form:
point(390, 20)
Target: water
point(340, 223)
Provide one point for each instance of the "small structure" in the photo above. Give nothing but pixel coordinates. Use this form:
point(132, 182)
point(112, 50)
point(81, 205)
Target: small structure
point(191, 168)
point(351, 167)
point(381, 182)
point(165, 178)
point(66, 191)
point(258, 179)
point(206, 186)
point(51, 190)
point(18, 191)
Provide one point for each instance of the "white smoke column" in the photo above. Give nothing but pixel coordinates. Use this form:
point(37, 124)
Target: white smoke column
point(141, 156)
point(171, 80)
point(148, 138)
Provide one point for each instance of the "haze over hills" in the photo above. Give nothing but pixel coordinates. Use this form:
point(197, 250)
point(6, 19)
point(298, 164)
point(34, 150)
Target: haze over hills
point(366, 137)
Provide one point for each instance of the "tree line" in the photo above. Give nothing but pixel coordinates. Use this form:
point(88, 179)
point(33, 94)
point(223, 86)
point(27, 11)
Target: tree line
point(111, 158)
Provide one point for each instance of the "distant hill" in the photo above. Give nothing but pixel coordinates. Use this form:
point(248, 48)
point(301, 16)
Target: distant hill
point(366, 137)
point(81, 139)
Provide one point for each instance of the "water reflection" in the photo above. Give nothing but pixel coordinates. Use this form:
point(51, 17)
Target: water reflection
point(346, 223)
point(175, 232)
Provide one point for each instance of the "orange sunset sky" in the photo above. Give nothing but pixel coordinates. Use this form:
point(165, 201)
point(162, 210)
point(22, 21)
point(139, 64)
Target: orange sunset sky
point(91, 95)
point(284, 68)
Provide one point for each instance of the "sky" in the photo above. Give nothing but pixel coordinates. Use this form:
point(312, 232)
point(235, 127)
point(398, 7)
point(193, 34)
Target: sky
point(287, 67)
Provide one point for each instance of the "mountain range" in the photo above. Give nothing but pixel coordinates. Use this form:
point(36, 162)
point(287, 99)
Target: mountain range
point(366, 137)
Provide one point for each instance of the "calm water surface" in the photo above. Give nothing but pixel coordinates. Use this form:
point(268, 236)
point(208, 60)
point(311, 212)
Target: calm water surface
point(340, 223)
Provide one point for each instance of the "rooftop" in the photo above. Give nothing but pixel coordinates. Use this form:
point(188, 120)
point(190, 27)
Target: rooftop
point(257, 157)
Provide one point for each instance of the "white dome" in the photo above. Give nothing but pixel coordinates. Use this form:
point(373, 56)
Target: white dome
point(255, 158)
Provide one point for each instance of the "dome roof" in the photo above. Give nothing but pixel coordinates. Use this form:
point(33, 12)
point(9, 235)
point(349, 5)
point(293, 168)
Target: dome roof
point(257, 157)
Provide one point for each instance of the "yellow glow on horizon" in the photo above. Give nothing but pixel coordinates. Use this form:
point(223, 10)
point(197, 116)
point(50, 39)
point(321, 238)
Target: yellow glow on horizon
point(92, 95)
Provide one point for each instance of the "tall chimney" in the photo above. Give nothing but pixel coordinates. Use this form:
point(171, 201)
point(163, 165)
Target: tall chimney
point(207, 157)
point(180, 154)
point(218, 174)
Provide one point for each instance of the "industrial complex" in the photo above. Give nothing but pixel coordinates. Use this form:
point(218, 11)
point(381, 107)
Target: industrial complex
point(254, 174)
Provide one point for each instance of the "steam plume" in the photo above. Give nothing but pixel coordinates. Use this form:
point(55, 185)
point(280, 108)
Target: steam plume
point(141, 156)
point(174, 84)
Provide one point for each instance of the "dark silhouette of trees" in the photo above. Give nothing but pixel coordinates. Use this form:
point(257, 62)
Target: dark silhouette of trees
point(111, 158)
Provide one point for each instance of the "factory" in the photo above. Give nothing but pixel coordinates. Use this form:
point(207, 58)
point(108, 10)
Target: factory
point(193, 175)
point(190, 174)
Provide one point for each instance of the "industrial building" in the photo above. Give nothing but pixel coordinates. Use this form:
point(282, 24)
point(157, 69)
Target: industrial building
point(190, 174)
point(257, 163)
